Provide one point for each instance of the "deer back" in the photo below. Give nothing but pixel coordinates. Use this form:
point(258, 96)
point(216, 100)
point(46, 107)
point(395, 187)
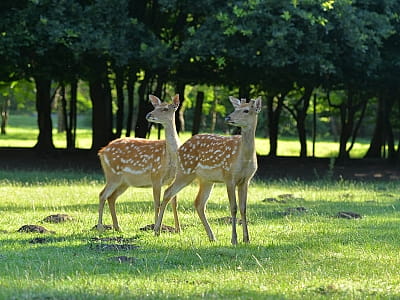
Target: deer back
point(208, 152)
point(138, 161)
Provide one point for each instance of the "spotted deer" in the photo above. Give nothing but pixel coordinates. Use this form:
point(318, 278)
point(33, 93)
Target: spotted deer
point(213, 158)
point(141, 162)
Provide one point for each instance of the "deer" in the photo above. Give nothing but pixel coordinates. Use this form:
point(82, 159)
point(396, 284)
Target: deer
point(211, 159)
point(141, 162)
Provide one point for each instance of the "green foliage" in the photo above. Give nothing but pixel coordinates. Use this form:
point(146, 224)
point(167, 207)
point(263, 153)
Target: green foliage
point(255, 47)
point(21, 94)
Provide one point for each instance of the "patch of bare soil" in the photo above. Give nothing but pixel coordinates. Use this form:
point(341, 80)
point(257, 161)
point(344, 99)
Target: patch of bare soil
point(164, 228)
point(228, 220)
point(105, 227)
point(58, 218)
point(299, 210)
point(274, 200)
point(283, 198)
point(34, 229)
point(113, 247)
point(39, 240)
point(117, 239)
point(112, 243)
point(348, 215)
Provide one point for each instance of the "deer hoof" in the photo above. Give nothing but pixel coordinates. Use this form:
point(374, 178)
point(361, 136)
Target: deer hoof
point(100, 228)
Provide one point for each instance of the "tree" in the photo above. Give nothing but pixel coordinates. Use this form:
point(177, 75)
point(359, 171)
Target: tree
point(387, 87)
point(356, 36)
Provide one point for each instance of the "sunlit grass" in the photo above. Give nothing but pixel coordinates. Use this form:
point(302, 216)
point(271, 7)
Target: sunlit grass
point(22, 132)
point(303, 255)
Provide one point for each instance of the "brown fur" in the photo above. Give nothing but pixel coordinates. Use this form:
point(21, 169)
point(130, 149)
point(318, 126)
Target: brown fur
point(213, 158)
point(141, 163)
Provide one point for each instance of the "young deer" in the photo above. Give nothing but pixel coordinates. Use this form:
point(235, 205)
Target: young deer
point(213, 158)
point(141, 163)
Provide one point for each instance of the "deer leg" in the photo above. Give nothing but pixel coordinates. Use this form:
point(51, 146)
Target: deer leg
point(156, 198)
point(200, 204)
point(174, 204)
point(180, 182)
point(233, 206)
point(242, 193)
point(105, 193)
point(111, 204)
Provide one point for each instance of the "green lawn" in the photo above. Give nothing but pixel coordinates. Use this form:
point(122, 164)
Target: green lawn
point(22, 132)
point(302, 255)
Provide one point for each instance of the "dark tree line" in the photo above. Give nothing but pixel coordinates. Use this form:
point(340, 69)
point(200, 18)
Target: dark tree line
point(286, 51)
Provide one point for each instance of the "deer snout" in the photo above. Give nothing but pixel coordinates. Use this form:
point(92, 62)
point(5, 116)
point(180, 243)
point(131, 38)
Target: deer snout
point(229, 120)
point(149, 116)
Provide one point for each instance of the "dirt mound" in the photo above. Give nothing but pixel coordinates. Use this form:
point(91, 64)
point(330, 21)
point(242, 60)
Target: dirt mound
point(34, 229)
point(164, 228)
point(57, 218)
point(348, 215)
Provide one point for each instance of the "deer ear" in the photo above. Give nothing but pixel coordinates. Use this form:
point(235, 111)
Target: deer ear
point(256, 104)
point(175, 101)
point(235, 101)
point(154, 100)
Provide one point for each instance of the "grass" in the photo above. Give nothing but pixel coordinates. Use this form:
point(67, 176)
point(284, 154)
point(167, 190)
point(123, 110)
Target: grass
point(304, 255)
point(22, 132)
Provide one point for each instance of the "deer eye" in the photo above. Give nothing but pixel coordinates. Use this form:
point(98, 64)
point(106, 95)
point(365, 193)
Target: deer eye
point(165, 109)
point(246, 111)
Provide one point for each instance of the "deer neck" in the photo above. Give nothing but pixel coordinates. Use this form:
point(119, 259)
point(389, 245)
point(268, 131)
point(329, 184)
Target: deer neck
point(247, 145)
point(171, 138)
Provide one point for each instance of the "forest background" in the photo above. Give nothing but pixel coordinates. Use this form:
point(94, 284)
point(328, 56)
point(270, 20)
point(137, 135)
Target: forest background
point(325, 69)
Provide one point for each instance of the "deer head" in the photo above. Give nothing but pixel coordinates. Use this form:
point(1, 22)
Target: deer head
point(245, 114)
point(163, 113)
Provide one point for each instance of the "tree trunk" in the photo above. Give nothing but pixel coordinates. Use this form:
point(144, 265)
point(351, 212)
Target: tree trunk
point(198, 113)
point(4, 116)
point(130, 86)
point(273, 122)
point(119, 85)
point(347, 121)
point(71, 138)
point(214, 113)
point(43, 107)
point(301, 122)
point(345, 134)
point(299, 113)
point(61, 110)
point(160, 92)
point(301, 128)
point(64, 113)
point(382, 118)
point(314, 129)
point(142, 125)
point(108, 103)
point(179, 114)
point(101, 121)
point(390, 141)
